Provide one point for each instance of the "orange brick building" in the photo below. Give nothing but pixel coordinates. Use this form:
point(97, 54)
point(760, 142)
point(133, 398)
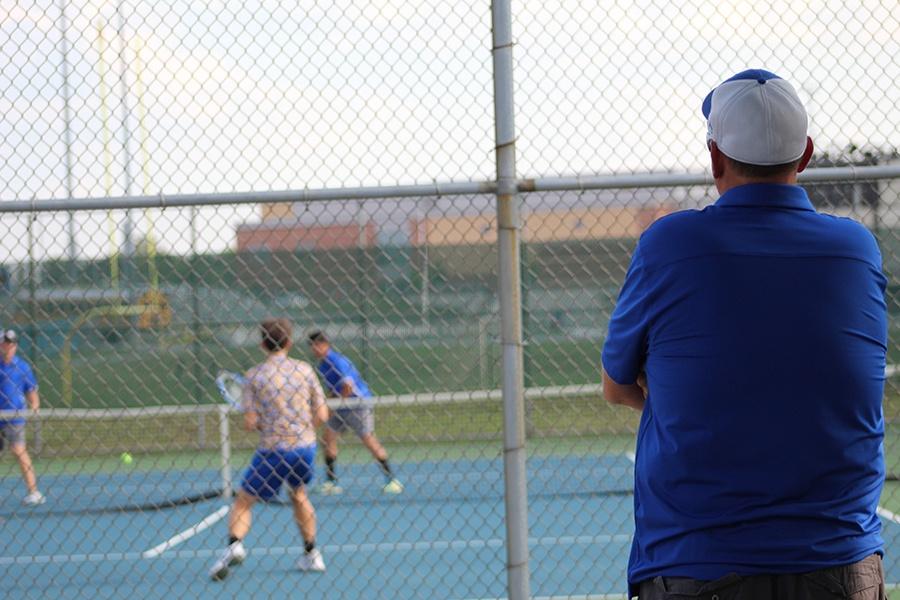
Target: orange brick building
point(280, 229)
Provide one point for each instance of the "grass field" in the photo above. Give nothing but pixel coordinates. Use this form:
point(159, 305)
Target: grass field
point(155, 370)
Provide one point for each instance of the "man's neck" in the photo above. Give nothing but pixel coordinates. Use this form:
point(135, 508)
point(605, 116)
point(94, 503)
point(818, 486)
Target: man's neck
point(731, 180)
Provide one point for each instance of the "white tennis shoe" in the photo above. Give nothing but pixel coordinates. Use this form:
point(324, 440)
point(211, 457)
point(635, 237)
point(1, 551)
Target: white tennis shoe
point(393, 487)
point(233, 555)
point(311, 561)
point(330, 488)
point(34, 498)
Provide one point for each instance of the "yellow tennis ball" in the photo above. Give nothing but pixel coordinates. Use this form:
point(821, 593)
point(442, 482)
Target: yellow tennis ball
point(126, 458)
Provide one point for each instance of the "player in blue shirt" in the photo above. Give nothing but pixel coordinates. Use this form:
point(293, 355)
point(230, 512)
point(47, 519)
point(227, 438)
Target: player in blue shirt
point(752, 335)
point(18, 386)
point(342, 380)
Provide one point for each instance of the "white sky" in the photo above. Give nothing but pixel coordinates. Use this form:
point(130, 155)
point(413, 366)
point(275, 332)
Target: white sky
point(242, 96)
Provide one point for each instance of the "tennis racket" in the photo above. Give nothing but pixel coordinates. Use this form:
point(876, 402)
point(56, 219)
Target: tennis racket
point(231, 388)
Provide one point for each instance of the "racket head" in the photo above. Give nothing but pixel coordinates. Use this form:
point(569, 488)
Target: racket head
point(231, 387)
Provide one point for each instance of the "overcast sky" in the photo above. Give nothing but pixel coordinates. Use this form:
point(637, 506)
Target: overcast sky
point(240, 96)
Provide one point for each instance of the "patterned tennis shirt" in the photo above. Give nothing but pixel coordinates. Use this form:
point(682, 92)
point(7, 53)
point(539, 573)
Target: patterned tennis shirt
point(285, 393)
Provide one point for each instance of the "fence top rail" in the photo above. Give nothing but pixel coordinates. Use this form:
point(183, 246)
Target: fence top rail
point(426, 398)
point(461, 188)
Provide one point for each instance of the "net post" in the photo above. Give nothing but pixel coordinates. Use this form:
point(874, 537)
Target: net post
point(38, 438)
point(484, 377)
point(225, 449)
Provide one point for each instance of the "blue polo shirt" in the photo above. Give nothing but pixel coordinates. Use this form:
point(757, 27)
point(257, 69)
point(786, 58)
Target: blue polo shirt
point(336, 369)
point(16, 379)
point(762, 327)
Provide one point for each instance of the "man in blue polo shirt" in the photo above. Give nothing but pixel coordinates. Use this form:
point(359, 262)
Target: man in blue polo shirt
point(18, 385)
point(342, 380)
point(752, 334)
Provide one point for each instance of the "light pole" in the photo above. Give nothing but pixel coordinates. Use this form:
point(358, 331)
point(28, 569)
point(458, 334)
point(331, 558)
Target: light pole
point(67, 133)
point(128, 242)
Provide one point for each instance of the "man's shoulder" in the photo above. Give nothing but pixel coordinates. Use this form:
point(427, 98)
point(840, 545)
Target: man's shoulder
point(673, 226)
point(850, 228)
point(20, 364)
point(697, 230)
point(338, 360)
point(255, 372)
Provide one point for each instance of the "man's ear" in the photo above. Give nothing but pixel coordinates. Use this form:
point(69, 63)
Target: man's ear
point(807, 155)
point(717, 160)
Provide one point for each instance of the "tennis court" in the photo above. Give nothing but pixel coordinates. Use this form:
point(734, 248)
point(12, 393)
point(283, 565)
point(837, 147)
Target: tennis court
point(443, 538)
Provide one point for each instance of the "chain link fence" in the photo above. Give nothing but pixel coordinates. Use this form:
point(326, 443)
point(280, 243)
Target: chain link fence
point(173, 173)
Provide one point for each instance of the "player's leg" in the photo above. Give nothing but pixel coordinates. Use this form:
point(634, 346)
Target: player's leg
point(15, 436)
point(260, 481)
point(362, 421)
point(241, 517)
point(333, 429)
point(300, 475)
point(239, 521)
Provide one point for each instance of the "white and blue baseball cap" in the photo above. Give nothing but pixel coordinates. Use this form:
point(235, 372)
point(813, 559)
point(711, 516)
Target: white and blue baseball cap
point(756, 117)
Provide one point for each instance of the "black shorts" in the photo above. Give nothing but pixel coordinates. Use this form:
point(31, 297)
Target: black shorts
point(863, 580)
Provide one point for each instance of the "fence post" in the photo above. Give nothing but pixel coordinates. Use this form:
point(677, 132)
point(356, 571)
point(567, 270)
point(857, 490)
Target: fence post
point(509, 289)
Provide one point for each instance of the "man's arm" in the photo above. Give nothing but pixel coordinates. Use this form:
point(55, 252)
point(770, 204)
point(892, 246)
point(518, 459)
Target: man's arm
point(345, 370)
point(251, 420)
point(632, 394)
point(320, 415)
point(625, 347)
point(34, 402)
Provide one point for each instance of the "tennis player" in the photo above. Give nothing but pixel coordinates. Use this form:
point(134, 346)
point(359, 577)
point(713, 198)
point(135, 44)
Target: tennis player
point(284, 401)
point(344, 381)
point(18, 386)
point(752, 336)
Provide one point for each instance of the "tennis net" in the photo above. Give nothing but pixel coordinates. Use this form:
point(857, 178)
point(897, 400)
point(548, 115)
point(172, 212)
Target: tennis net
point(444, 446)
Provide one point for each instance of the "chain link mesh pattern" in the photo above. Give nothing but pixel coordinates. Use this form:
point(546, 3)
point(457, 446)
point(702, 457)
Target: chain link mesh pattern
point(128, 315)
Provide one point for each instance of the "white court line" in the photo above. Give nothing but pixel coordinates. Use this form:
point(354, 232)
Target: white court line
point(187, 533)
point(888, 515)
point(327, 549)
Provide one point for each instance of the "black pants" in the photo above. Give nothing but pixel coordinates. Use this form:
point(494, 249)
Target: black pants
point(860, 581)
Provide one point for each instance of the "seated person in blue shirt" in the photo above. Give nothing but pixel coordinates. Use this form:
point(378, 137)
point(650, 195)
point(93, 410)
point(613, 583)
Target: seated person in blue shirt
point(18, 386)
point(752, 336)
point(342, 380)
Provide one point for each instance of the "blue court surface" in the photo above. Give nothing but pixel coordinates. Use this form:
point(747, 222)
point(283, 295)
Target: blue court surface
point(442, 538)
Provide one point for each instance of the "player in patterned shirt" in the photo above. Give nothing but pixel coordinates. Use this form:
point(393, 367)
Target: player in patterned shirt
point(284, 401)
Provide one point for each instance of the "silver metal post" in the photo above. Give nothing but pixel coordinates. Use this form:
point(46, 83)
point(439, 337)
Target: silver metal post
point(508, 230)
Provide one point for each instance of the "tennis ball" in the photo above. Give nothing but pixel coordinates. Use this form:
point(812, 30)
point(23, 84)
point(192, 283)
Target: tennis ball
point(126, 458)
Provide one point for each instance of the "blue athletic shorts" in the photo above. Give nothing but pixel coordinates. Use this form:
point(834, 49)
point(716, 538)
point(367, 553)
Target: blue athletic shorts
point(270, 468)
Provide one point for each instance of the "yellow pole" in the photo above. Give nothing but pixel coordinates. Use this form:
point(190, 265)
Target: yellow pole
point(145, 161)
point(99, 311)
point(107, 162)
